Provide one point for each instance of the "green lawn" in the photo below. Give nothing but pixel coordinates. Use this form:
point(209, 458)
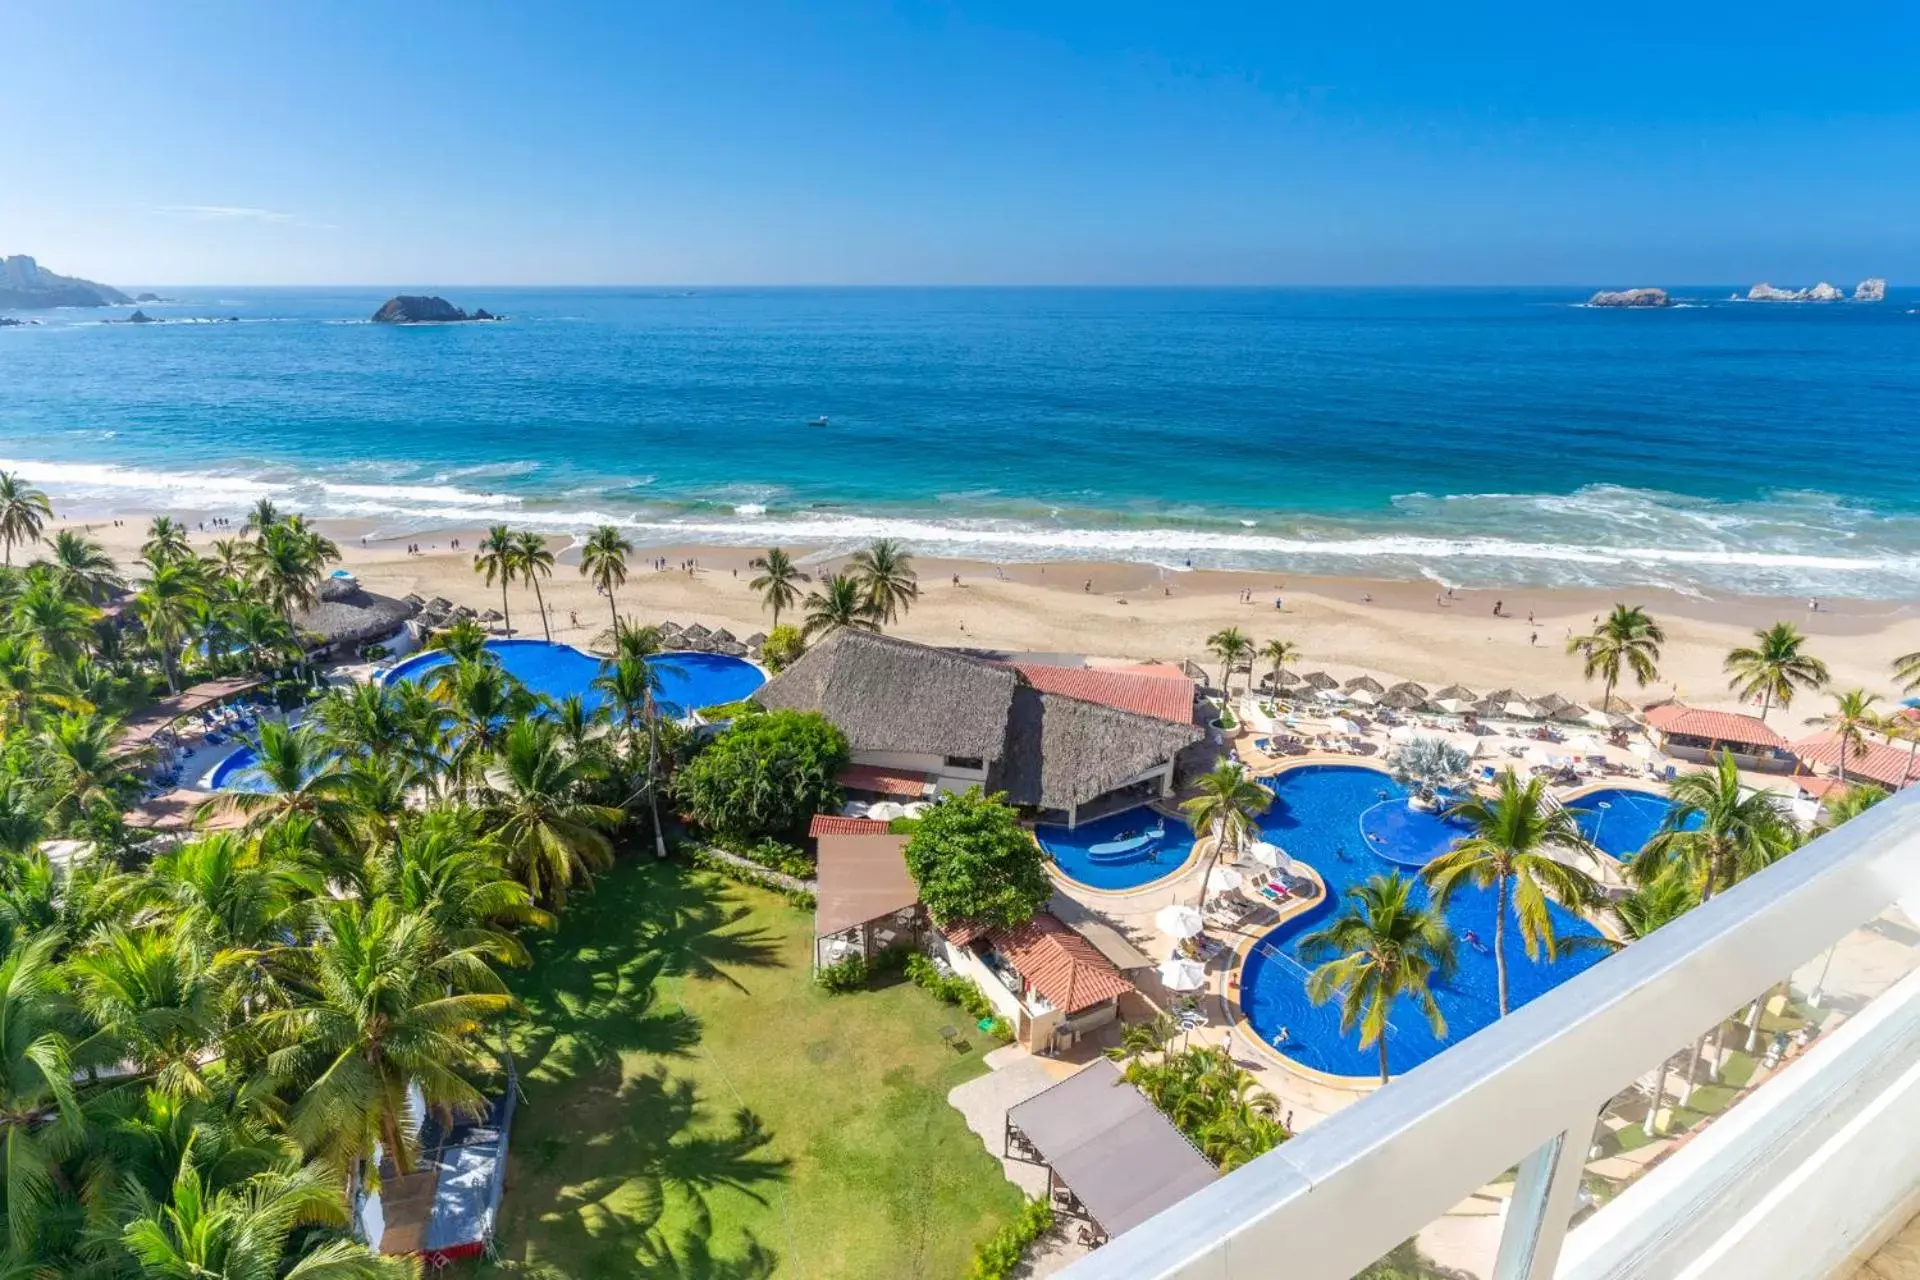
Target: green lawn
point(695, 1107)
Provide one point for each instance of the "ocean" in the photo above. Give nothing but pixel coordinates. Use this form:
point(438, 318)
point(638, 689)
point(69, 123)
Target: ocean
point(1469, 436)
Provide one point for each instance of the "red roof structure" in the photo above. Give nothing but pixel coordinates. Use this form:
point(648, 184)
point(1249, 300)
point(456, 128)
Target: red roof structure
point(879, 781)
point(1058, 963)
point(827, 824)
point(1888, 765)
point(1715, 726)
point(1165, 697)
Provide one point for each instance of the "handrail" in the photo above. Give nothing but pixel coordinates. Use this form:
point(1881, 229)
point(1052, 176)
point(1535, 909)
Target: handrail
point(1334, 1199)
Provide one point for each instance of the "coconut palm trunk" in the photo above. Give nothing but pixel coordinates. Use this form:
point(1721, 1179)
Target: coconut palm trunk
point(1500, 944)
point(506, 614)
point(540, 603)
point(613, 609)
point(1381, 1045)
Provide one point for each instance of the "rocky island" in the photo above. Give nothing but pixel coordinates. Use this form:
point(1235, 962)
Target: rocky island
point(416, 309)
point(1872, 290)
point(1822, 292)
point(1630, 298)
point(26, 285)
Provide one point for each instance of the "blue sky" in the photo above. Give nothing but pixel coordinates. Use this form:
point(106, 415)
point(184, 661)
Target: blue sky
point(826, 142)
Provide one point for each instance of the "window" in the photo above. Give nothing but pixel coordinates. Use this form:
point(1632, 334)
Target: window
point(965, 762)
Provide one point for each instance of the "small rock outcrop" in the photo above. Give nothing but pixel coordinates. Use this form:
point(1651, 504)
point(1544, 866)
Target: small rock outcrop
point(1630, 298)
point(1822, 292)
point(1874, 290)
point(148, 297)
point(416, 309)
point(139, 317)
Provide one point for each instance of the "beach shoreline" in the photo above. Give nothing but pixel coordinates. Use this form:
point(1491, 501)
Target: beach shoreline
point(1134, 612)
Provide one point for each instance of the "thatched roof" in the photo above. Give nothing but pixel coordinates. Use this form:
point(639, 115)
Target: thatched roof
point(1319, 680)
point(1368, 683)
point(1458, 692)
point(440, 604)
point(1551, 703)
point(348, 614)
point(720, 635)
point(1507, 695)
point(1046, 749)
point(696, 632)
point(1419, 691)
point(755, 640)
point(1402, 700)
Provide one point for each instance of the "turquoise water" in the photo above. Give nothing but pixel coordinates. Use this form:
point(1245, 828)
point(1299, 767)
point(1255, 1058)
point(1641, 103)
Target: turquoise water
point(1316, 817)
point(1140, 856)
point(1477, 436)
point(1620, 820)
point(688, 681)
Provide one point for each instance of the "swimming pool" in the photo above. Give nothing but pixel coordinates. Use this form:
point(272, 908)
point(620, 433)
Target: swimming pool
point(1316, 816)
point(1620, 820)
point(688, 680)
point(1120, 851)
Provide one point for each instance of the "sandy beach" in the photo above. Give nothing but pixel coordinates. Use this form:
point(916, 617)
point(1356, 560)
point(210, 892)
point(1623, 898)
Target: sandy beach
point(1405, 630)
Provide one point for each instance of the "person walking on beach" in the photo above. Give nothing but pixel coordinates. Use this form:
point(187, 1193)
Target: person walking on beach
point(1498, 605)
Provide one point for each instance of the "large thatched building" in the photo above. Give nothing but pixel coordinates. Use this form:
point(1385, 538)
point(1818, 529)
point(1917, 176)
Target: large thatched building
point(938, 720)
point(347, 616)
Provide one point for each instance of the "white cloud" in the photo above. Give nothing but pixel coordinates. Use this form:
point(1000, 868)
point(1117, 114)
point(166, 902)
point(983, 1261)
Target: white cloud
point(222, 213)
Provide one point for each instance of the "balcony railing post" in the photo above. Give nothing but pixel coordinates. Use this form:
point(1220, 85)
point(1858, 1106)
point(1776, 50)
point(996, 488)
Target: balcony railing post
point(1541, 1207)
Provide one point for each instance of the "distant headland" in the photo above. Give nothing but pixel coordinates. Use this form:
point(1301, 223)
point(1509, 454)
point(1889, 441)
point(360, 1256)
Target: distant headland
point(417, 309)
point(26, 285)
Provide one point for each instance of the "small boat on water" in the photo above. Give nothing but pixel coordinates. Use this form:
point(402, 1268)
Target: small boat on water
point(820, 421)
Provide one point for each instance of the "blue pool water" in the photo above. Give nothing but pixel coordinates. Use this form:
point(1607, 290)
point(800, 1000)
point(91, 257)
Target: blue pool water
point(1407, 836)
point(238, 772)
point(1620, 820)
point(1316, 817)
point(1118, 852)
point(689, 681)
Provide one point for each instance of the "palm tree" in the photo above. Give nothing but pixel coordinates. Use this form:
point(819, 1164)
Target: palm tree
point(82, 768)
point(885, 573)
point(385, 1005)
point(23, 511)
point(263, 516)
point(166, 542)
point(288, 562)
point(1382, 947)
point(1233, 648)
point(1734, 832)
point(208, 1232)
point(61, 621)
point(603, 558)
point(164, 607)
point(495, 557)
point(532, 561)
point(839, 602)
point(82, 567)
point(778, 574)
point(1654, 904)
point(1851, 717)
point(1278, 653)
point(40, 1119)
point(548, 835)
point(632, 683)
point(226, 558)
point(1847, 805)
point(1511, 851)
point(264, 637)
point(300, 776)
point(1628, 641)
point(448, 871)
point(1224, 806)
point(465, 639)
point(1906, 669)
point(481, 698)
point(155, 1004)
point(1773, 666)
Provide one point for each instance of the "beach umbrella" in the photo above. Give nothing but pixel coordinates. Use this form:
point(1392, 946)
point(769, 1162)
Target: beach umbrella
point(855, 809)
point(1551, 703)
point(1331, 695)
point(1180, 974)
point(915, 809)
point(1409, 687)
point(1271, 855)
point(1520, 709)
point(1363, 698)
point(1224, 879)
point(755, 640)
point(1368, 683)
point(1319, 680)
point(1340, 724)
point(1457, 693)
point(1179, 920)
point(1617, 704)
point(491, 615)
point(1505, 695)
point(1285, 679)
point(1585, 744)
point(1403, 700)
point(887, 811)
point(1452, 706)
point(696, 632)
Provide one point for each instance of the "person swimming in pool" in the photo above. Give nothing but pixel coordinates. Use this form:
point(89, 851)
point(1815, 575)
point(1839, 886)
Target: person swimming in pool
point(1282, 1036)
point(1473, 940)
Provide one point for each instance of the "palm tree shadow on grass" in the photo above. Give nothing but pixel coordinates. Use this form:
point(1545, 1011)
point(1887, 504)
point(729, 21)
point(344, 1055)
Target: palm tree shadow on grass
point(669, 1156)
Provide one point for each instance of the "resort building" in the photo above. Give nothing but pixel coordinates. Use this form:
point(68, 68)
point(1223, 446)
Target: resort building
point(447, 1207)
point(865, 901)
point(1688, 733)
point(1880, 763)
point(1052, 985)
point(921, 720)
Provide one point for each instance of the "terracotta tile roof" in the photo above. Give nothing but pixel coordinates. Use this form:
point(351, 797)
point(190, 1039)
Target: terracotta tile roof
point(880, 781)
point(827, 824)
point(1887, 765)
point(1819, 788)
point(1165, 697)
point(1060, 964)
point(1717, 726)
point(961, 932)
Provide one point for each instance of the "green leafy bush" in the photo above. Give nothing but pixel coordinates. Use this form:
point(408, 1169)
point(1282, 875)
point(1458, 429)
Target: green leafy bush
point(783, 644)
point(728, 710)
point(951, 988)
point(374, 652)
point(733, 871)
point(766, 775)
point(997, 1257)
point(973, 861)
point(777, 855)
point(845, 975)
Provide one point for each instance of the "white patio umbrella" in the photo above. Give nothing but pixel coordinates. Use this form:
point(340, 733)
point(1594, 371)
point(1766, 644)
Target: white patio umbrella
point(1179, 920)
point(1340, 724)
point(1453, 706)
point(1269, 855)
point(887, 811)
point(1597, 718)
point(1224, 879)
point(1183, 975)
point(1362, 697)
point(1521, 710)
point(1333, 695)
point(1585, 744)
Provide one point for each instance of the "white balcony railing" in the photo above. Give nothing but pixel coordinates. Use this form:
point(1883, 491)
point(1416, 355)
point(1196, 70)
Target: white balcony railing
point(1787, 1182)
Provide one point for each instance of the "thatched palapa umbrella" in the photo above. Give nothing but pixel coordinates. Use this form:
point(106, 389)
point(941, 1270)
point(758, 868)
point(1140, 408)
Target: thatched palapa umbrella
point(1456, 693)
point(1368, 683)
point(1402, 699)
point(1419, 691)
point(755, 640)
point(695, 632)
point(1319, 680)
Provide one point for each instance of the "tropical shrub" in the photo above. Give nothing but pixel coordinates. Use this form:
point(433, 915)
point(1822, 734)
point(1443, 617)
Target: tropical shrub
point(783, 644)
point(998, 1255)
point(1426, 764)
point(777, 855)
point(845, 975)
point(973, 861)
point(950, 988)
point(1209, 1097)
point(721, 712)
point(766, 775)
